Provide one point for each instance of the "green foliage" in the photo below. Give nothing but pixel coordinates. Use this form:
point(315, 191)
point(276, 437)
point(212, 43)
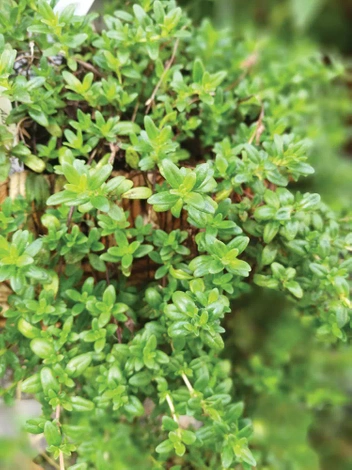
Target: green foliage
point(116, 321)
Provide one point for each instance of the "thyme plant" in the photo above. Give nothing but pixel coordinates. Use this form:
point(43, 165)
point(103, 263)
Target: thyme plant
point(164, 166)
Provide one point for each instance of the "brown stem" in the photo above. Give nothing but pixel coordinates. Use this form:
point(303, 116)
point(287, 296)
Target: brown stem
point(50, 460)
point(91, 157)
point(114, 148)
point(135, 111)
point(259, 128)
point(70, 215)
point(167, 66)
point(90, 67)
point(246, 66)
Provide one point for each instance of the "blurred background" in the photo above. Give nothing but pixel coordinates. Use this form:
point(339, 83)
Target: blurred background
point(297, 391)
point(326, 21)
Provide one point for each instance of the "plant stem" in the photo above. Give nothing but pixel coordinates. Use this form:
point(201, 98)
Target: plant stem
point(61, 460)
point(259, 128)
point(50, 460)
point(61, 455)
point(168, 64)
point(172, 408)
point(188, 383)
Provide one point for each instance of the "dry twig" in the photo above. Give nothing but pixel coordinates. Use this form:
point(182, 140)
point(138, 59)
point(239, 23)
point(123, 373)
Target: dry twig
point(114, 148)
point(90, 67)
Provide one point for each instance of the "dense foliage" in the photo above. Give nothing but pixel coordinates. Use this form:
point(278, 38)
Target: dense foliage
point(162, 163)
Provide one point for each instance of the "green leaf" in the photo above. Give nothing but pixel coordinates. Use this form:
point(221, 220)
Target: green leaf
point(169, 424)
point(171, 173)
point(188, 437)
point(100, 203)
point(245, 455)
point(109, 296)
point(197, 201)
point(141, 379)
point(60, 198)
point(239, 267)
point(236, 410)
point(77, 365)
point(34, 163)
point(278, 270)
point(294, 288)
point(35, 426)
point(268, 254)
point(39, 116)
point(184, 303)
point(32, 385)
point(200, 265)
point(180, 449)
point(272, 199)
point(52, 434)
point(99, 176)
point(163, 199)
point(150, 127)
point(265, 281)
point(270, 231)
point(342, 286)
point(97, 263)
point(42, 347)
point(34, 248)
point(143, 250)
point(198, 71)
point(132, 158)
point(284, 213)
point(71, 80)
point(227, 456)
point(126, 261)
point(342, 316)
point(264, 213)
point(213, 341)
point(139, 13)
point(175, 209)
point(127, 128)
point(7, 60)
point(71, 174)
point(310, 201)
point(164, 447)
point(239, 243)
point(138, 193)
point(158, 11)
point(81, 404)
point(48, 380)
point(27, 329)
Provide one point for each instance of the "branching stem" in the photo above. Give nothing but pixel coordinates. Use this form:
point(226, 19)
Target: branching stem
point(167, 66)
